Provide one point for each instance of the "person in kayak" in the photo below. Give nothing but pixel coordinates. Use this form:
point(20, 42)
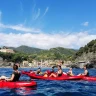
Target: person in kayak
point(38, 71)
point(59, 72)
point(52, 71)
point(15, 75)
point(48, 72)
point(86, 73)
point(70, 73)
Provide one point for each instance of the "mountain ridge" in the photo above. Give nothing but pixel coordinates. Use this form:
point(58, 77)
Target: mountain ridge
point(27, 49)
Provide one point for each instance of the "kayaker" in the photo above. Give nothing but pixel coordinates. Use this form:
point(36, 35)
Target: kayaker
point(86, 73)
point(52, 71)
point(38, 71)
point(70, 73)
point(59, 72)
point(48, 72)
point(15, 75)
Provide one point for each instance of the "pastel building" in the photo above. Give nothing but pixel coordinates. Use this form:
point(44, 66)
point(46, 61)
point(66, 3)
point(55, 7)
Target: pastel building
point(7, 50)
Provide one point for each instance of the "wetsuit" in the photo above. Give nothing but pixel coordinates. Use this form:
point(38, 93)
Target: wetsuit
point(16, 76)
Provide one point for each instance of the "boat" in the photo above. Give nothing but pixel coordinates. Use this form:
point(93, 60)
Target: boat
point(63, 77)
point(89, 78)
point(18, 84)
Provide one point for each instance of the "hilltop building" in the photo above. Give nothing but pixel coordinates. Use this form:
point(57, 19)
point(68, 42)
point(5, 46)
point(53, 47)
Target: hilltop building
point(6, 50)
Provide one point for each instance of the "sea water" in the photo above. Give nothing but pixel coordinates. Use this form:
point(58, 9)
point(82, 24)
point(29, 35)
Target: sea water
point(51, 88)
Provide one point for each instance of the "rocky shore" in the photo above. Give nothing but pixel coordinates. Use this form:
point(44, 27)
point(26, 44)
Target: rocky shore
point(49, 63)
point(73, 65)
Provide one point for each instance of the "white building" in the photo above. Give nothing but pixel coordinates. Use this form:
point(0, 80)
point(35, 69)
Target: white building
point(7, 50)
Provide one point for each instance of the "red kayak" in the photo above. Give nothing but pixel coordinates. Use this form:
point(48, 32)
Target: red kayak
point(63, 77)
point(89, 78)
point(18, 84)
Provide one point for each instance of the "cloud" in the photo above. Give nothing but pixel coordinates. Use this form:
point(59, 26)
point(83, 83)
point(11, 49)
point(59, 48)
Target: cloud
point(46, 41)
point(46, 10)
point(0, 16)
point(19, 27)
point(85, 23)
point(37, 14)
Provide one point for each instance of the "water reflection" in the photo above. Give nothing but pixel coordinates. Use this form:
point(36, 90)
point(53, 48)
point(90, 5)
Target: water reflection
point(25, 91)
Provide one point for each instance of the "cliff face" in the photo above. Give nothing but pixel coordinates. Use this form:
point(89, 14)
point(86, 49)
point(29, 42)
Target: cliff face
point(87, 54)
point(87, 57)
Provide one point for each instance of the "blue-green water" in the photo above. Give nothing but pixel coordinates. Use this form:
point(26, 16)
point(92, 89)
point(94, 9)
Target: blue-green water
point(52, 88)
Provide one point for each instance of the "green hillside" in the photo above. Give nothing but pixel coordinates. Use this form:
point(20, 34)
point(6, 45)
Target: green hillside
point(65, 51)
point(89, 48)
point(30, 53)
point(27, 49)
point(58, 50)
point(57, 53)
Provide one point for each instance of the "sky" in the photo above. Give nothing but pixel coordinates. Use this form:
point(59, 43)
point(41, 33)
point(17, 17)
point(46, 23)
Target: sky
point(47, 24)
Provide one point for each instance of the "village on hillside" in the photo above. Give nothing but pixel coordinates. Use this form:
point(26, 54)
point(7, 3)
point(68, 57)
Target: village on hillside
point(35, 63)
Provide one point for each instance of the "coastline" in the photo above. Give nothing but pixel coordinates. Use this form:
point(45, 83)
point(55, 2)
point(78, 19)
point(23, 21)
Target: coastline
point(32, 67)
point(40, 67)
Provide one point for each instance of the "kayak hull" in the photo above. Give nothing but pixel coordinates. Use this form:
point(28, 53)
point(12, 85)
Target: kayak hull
point(63, 77)
point(89, 78)
point(56, 78)
point(4, 84)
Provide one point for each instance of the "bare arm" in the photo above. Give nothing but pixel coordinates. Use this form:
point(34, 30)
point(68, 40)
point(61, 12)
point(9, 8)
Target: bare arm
point(10, 79)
